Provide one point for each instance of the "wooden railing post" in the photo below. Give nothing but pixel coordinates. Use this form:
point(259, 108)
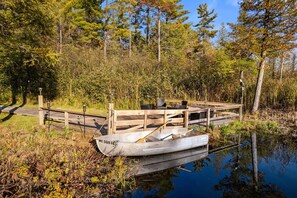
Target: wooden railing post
point(40, 111)
point(114, 122)
point(165, 118)
point(208, 118)
point(145, 120)
point(66, 115)
point(110, 118)
point(240, 113)
point(186, 118)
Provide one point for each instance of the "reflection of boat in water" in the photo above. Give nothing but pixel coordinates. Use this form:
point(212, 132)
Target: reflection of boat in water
point(157, 163)
point(159, 142)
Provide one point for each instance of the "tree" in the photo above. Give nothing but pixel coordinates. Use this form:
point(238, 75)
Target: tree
point(61, 9)
point(122, 12)
point(223, 36)
point(26, 57)
point(87, 16)
point(205, 26)
point(161, 6)
point(264, 27)
point(176, 31)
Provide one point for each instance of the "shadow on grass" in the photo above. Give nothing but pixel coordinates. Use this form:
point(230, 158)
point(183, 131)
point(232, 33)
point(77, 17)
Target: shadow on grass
point(10, 112)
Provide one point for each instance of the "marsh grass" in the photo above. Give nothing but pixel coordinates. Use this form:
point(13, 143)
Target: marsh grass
point(35, 162)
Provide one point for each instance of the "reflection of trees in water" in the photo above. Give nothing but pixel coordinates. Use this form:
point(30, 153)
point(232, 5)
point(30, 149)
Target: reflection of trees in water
point(281, 149)
point(200, 164)
point(157, 184)
point(240, 182)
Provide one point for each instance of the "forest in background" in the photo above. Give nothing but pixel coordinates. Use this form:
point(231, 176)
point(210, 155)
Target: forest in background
point(94, 51)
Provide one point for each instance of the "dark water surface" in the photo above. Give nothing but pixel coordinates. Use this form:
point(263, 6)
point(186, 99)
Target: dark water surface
point(262, 166)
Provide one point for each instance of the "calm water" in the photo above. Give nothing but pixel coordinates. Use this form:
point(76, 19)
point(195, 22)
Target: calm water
point(267, 169)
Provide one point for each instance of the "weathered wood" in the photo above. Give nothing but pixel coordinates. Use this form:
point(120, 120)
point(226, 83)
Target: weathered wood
point(145, 120)
point(110, 118)
point(186, 119)
point(240, 113)
point(149, 112)
point(137, 119)
point(134, 129)
point(40, 111)
point(165, 118)
point(114, 124)
point(225, 108)
point(75, 113)
point(213, 119)
point(208, 117)
point(120, 123)
point(206, 103)
point(66, 115)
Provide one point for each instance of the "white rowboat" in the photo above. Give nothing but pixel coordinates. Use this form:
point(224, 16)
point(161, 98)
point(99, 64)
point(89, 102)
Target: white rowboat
point(167, 140)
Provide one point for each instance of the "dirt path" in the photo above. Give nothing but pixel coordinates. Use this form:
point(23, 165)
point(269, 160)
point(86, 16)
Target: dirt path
point(56, 119)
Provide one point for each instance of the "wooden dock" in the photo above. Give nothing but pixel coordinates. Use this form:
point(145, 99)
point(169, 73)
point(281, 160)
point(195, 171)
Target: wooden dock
point(197, 113)
point(120, 121)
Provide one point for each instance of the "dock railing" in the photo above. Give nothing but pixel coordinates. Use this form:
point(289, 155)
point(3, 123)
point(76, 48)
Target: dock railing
point(66, 116)
point(122, 121)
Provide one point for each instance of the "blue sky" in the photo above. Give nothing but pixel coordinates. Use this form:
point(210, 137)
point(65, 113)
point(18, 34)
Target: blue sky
point(227, 10)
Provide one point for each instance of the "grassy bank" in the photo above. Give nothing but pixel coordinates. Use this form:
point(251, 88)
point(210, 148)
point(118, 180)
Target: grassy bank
point(34, 162)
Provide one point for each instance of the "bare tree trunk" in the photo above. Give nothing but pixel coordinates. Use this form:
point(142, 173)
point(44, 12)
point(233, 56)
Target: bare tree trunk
point(60, 35)
point(281, 67)
point(293, 62)
point(130, 44)
point(259, 82)
point(273, 67)
point(159, 34)
point(105, 45)
point(105, 33)
point(147, 25)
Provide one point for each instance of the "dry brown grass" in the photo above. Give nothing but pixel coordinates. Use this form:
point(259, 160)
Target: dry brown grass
point(55, 164)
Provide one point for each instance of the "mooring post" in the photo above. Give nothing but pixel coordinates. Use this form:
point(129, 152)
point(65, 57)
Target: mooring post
point(66, 116)
point(40, 106)
point(48, 115)
point(114, 122)
point(240, 113)
point(84, 112)
point(208, 118)
point(110, 118)
point(145, 120)
point(186, 118)
point(165, 119)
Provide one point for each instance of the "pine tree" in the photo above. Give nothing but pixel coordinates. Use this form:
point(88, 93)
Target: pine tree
point(87, 16)
point(61, 9)
point(161, 6)
point(205, 26)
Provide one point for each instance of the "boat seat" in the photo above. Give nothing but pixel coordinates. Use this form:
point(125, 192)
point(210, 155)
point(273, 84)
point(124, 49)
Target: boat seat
point(151, 139)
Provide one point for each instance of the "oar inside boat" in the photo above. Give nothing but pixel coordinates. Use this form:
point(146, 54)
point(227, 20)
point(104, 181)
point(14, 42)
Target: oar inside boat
point(181, 134)
point(141, 140)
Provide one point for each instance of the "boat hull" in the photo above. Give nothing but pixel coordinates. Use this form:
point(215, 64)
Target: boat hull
point(124, 144)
